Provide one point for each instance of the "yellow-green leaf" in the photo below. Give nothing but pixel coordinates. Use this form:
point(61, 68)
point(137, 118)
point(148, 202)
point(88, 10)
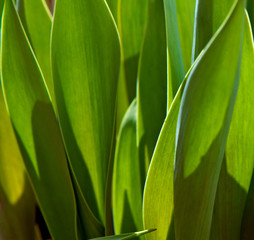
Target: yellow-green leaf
point(36, 128)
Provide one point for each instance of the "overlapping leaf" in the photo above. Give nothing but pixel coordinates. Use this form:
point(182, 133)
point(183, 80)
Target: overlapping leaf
point(158, 201)
point(134, 235)
point(238, 162)
point(127, 185)
point(85, 62)
point(203, 125)
point(152, 78)
point(131, 25)
point(209, 15)
point(36, 19)
point(36, 128)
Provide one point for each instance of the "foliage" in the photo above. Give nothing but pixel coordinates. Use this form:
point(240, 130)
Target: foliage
point(123, 115)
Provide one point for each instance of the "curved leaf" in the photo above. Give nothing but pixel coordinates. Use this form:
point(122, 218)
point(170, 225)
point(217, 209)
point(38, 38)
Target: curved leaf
point(209, 15)
point(36, 19)
point(36, 128)
point(203, 125)
point(126, 235)
point(131, 23)
point(85, 79)
point(176, 70)
point(158, 195)
point(127, 186)
point(152, 84)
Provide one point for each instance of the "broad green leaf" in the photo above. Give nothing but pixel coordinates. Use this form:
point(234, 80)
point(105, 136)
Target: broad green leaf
point(158, 196)
point(131, 24)
point(127, 186)
point(17, 203)
point(134, 235)
point(152, 84)
point(176, 70)
point(36, 19)
point(185, 10)
point(238, 162)
point(85, 76)
point(158, 202)
point(203, 124)
point(209, 15)
point(36, 128)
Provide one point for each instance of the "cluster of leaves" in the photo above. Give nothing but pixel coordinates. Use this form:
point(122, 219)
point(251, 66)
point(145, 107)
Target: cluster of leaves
point(123, 115)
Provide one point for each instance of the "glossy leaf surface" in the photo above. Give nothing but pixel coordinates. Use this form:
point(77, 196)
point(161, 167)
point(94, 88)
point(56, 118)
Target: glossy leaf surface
point(85, 80)
point(206, 110)
point(36, 128)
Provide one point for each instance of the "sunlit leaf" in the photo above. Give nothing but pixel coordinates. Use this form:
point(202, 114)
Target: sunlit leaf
point(127, 186)
point(36, 19)
point(134, 235)
point(152, 84)
point(203, 125)
point(36, 128)
point(85, 79)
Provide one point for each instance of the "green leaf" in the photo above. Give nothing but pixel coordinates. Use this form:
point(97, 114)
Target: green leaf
point(185, 18)
point(113, 5)
point(17, 203)
point(203, 125)
point(36, 128)
point(158, 201)
point(131, 24)
point(36, 19)
point(85, 76)
point(238, 162)
point(176, 70)
point(152, 84)
point(127, 186)
point(126, 235)
point(250, 9)
point(209, 15)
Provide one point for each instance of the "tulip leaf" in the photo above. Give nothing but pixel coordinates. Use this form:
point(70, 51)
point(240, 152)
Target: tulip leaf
point(152, 77)
point(134, 235)
point(85, 74)
point(36, 128)
point(176, 70)
point(185, 18)
point(238, 162)
point(36, 19)
point(131, 25)
point(158, 203)
point(203, 124)
point(209, 15)
point(127, 186)
point(17, 203)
